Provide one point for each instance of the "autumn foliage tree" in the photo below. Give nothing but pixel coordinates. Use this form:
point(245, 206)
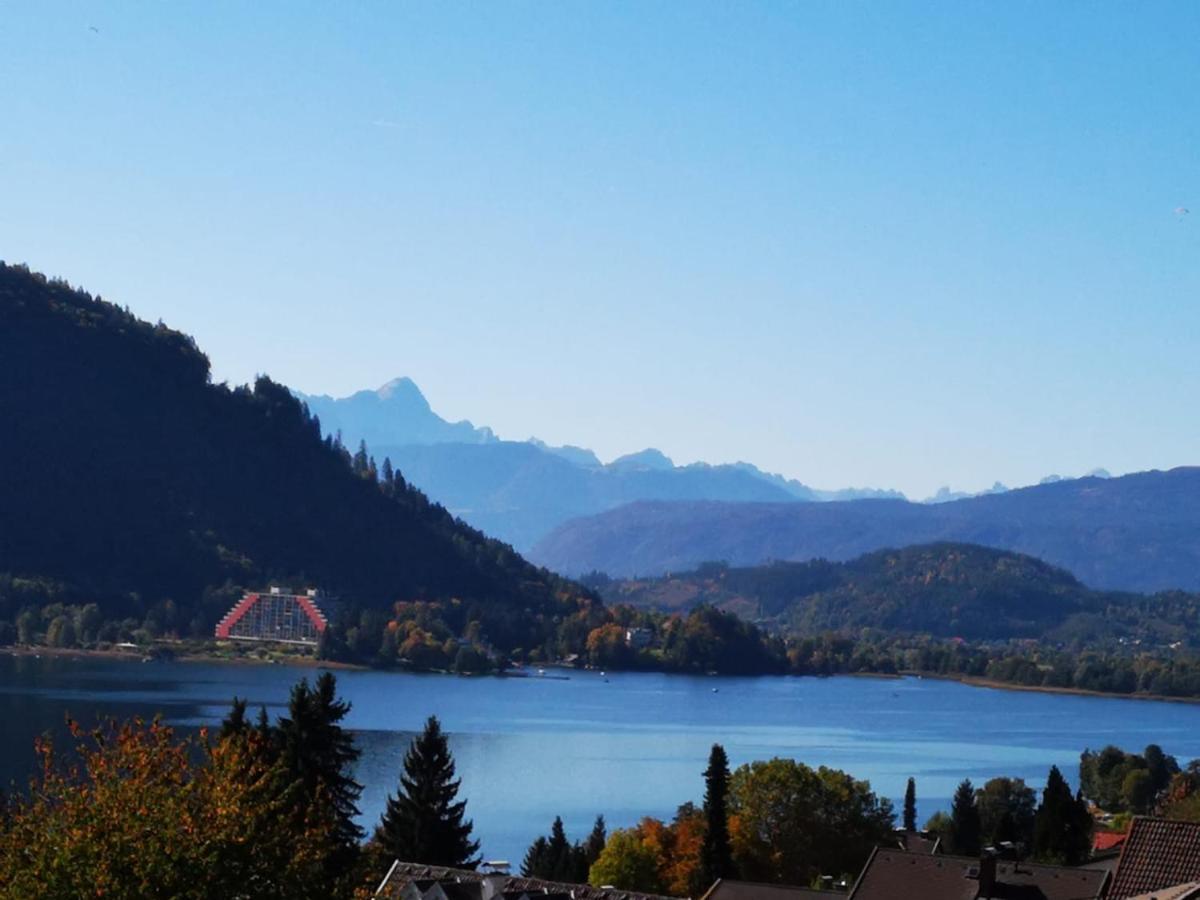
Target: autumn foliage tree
point(143, 813)
point(654, 856)
point(791, 824)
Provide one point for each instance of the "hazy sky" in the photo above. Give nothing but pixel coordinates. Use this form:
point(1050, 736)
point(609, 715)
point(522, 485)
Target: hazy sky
point(892, 244)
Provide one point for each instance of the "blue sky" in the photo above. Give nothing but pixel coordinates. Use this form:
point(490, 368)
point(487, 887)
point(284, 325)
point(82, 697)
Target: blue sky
point(896, 244)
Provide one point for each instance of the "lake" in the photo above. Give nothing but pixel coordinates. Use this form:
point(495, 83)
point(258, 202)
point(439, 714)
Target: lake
point(529, 749)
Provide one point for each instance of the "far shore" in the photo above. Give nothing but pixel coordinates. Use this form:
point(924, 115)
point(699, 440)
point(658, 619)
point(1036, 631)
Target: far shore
point(977, 681)
point(142, 655)
point(302, 661)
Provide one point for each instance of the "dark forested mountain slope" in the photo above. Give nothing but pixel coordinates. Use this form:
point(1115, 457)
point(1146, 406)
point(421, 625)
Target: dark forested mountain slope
point(128, 478)
point(1138, 532)
point(945, 590)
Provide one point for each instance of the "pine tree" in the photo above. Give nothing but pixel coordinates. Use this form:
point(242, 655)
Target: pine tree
point(1062, 829)
point(316, 754)
point(423, 822)
point(235, 723)
point(537, 859)
point(716, 856)
point(910, 805)
point(595, 842)
point(361, 462)
point(965, 828)
point(389, 476)
point(562, 862)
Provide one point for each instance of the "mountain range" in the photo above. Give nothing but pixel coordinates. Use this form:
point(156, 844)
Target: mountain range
point(519, 491)
point(1136, 532)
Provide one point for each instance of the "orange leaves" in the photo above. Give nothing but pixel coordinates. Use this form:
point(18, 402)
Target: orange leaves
point(144, 813)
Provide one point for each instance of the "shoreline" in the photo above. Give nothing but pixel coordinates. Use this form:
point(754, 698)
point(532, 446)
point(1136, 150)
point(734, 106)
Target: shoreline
point(311, 662)
point(125, 655)
point(980, 682)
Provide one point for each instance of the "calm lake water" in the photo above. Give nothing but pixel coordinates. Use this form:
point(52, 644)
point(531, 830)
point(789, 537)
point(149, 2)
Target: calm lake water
point(530, 749)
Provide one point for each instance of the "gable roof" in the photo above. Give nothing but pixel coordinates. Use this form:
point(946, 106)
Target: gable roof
point(463, 884)
point(729, 889)
point(1157, 854)
point(901, 875)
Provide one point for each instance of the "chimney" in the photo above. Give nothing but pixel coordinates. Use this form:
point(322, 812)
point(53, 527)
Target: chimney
point(987, 873)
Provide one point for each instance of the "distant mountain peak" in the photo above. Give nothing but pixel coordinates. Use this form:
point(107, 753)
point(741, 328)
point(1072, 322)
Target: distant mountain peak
point(650, 458)
point(403, 390)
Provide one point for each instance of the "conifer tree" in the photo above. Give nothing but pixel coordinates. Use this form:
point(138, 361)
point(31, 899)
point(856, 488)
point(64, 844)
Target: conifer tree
point(235, 723)
point(716, 856)
point(423, 821)
point(537, 859)
point(315, 755)
point(965, 828)
point(594, 845)
point(1062, 830)
point(910, 805)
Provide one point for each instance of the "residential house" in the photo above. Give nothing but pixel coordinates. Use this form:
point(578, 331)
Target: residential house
point(904, 875)
point(1157, 855)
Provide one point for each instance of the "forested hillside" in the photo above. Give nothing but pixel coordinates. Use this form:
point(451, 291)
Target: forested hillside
point(943, 590)
point(129, 480)
point(1138, 532)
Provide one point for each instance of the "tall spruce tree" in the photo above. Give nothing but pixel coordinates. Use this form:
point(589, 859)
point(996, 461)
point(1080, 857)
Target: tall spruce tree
point(537, 859)
point(716, 855)
point(315, 756)
point(910, 805)
point(423, 822)
point(594, 845)
point(1062, 830)
point(965, 828)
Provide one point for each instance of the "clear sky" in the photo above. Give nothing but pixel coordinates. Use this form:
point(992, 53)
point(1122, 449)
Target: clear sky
point(886, 243)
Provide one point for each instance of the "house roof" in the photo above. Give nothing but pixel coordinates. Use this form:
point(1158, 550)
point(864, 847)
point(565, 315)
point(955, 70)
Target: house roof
point(1106, 840)
point(728, 889)
point(462, 884)
point(1157, 854)
point(1189, 891)
point(917, 841)
point(901, 875)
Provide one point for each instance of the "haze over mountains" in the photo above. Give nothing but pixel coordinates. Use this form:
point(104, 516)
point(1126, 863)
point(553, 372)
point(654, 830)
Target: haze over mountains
point(519, 491)
point(1138, 532)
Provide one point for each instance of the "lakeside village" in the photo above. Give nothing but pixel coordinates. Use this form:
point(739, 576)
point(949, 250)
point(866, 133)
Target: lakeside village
point(276, 802)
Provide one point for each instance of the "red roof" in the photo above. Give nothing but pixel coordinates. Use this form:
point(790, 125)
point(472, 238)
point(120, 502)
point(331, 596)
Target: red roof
point(1157, 854)
point(1106, 840)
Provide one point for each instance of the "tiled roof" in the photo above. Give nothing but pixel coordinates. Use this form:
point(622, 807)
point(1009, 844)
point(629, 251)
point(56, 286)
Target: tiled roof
point(727, 889)
point(897, 875)
point(1189, 891)
point(1157, 854)
point(468, 885)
